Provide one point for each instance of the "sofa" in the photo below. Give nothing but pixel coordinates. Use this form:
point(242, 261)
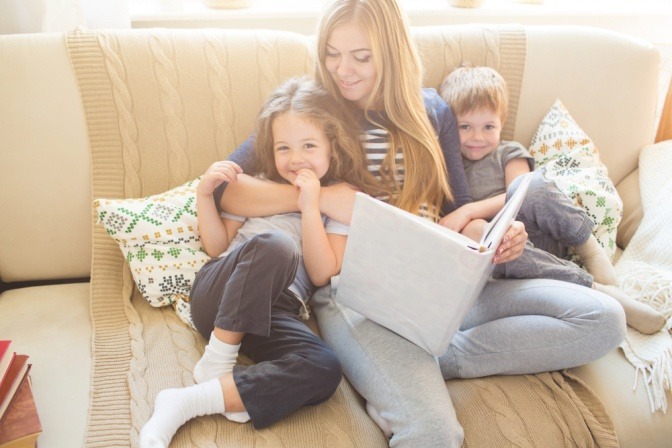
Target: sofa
point(133, 113)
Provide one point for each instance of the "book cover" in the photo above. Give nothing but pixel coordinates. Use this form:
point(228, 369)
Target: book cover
point(413, 276)
point(15, 376)
point(6, 358)
point(21, 426)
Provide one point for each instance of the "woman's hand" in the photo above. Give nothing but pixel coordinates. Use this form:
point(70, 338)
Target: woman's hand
point(222, 171)
point(512, 244)
point(337, 201)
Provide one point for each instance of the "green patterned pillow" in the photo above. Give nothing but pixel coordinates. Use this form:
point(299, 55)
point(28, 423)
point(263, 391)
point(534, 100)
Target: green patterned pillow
point(565, 154)
point(158, 236)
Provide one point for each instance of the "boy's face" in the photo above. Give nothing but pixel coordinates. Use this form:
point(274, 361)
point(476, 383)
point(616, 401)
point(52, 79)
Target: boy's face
point(479, 132)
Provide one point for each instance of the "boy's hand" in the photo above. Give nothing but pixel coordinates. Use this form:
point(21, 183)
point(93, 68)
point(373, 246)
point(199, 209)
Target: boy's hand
point(223, 171)
point(456, 220)
point(309, 190)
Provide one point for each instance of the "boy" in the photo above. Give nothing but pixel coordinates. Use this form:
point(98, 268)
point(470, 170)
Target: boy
point(479, 99)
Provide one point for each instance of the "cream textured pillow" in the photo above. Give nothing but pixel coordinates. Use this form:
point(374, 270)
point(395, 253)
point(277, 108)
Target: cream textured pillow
point(565, 154)
point(158, 236)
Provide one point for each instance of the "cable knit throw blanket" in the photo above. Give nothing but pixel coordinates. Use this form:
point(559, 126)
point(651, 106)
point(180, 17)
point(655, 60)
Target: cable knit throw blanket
point(645, 269)
point(160, 107)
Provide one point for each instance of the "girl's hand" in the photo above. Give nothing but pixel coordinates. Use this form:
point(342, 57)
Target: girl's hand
point(309, 190)
point(222, 171)
point(512, 244)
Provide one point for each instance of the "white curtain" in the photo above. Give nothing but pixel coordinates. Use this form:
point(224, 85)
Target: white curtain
point(35, 16)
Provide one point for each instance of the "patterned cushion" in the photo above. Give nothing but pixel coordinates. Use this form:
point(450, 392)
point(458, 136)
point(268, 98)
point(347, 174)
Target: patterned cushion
point(158, 236)
point(565, 154)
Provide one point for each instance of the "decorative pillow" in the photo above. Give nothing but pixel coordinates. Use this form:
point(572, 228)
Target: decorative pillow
point(158, 236)
point(565, 154)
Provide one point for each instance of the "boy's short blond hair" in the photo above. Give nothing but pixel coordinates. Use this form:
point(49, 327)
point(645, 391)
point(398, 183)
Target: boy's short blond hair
point(469, 88)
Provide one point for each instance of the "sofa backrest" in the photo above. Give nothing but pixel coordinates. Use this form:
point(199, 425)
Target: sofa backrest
point(607, 81)
point(137, 112)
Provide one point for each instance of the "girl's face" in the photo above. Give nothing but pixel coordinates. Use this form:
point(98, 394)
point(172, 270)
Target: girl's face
point(299, 144)
point(349, 61)
point(479, 130)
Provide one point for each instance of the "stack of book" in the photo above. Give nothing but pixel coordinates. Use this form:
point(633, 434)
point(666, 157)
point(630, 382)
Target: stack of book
point(19, 422)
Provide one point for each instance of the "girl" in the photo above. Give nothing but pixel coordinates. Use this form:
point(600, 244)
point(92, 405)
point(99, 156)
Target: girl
point(250, 298)
point(367, 60)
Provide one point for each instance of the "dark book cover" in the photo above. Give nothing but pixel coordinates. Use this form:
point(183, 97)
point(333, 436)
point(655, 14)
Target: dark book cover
point(17, 373)
point(21, 425)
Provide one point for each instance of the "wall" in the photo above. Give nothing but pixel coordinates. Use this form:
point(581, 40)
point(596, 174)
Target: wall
point(646, 19)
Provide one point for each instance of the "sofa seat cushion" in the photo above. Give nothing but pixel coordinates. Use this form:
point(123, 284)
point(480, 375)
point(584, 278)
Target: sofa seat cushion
point(52, 325)
point(612, 378)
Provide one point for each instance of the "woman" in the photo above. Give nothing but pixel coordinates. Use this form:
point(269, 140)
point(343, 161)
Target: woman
point(366, 58)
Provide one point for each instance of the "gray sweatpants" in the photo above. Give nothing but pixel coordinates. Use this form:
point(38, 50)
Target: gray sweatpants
point(515, 327)
point(246, 291)
point(553, 224)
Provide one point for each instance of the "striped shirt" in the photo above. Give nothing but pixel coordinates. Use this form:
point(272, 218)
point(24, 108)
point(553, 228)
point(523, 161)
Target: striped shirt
point(376, 142)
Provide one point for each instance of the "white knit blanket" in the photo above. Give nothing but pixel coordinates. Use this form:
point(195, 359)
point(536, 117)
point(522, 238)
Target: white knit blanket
point(645, 270)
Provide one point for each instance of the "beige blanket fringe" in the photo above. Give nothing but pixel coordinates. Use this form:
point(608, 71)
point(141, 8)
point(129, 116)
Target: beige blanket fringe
point(129, 78)
point(645, 269)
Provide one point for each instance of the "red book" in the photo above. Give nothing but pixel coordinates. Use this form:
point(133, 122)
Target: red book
point(6, 358)
point(17, 373)
point(21, 426)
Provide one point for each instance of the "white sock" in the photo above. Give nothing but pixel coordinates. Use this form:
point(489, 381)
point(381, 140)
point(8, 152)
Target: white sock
point(218, 359)
point(383, 424)
point(174, 407)
point(238, 417)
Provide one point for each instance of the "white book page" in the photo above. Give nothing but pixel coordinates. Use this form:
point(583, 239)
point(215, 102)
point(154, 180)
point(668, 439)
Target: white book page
point(496, 228)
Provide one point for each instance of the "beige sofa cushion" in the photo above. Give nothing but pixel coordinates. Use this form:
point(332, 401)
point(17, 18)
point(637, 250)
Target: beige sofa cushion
point(612, 378)
point(44, 163)
point(51, 325)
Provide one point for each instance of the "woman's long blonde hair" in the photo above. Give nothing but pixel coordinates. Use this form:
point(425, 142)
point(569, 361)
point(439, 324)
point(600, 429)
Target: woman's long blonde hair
point(398, 90)
point(309, 100)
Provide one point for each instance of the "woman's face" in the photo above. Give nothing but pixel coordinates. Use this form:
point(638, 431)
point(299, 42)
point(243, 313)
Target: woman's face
point(349, 61)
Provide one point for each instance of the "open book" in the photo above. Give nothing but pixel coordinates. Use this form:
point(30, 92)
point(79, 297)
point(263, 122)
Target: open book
point(415, 277)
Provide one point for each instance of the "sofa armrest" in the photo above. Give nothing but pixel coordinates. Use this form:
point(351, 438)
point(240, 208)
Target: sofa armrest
point(45, 178)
